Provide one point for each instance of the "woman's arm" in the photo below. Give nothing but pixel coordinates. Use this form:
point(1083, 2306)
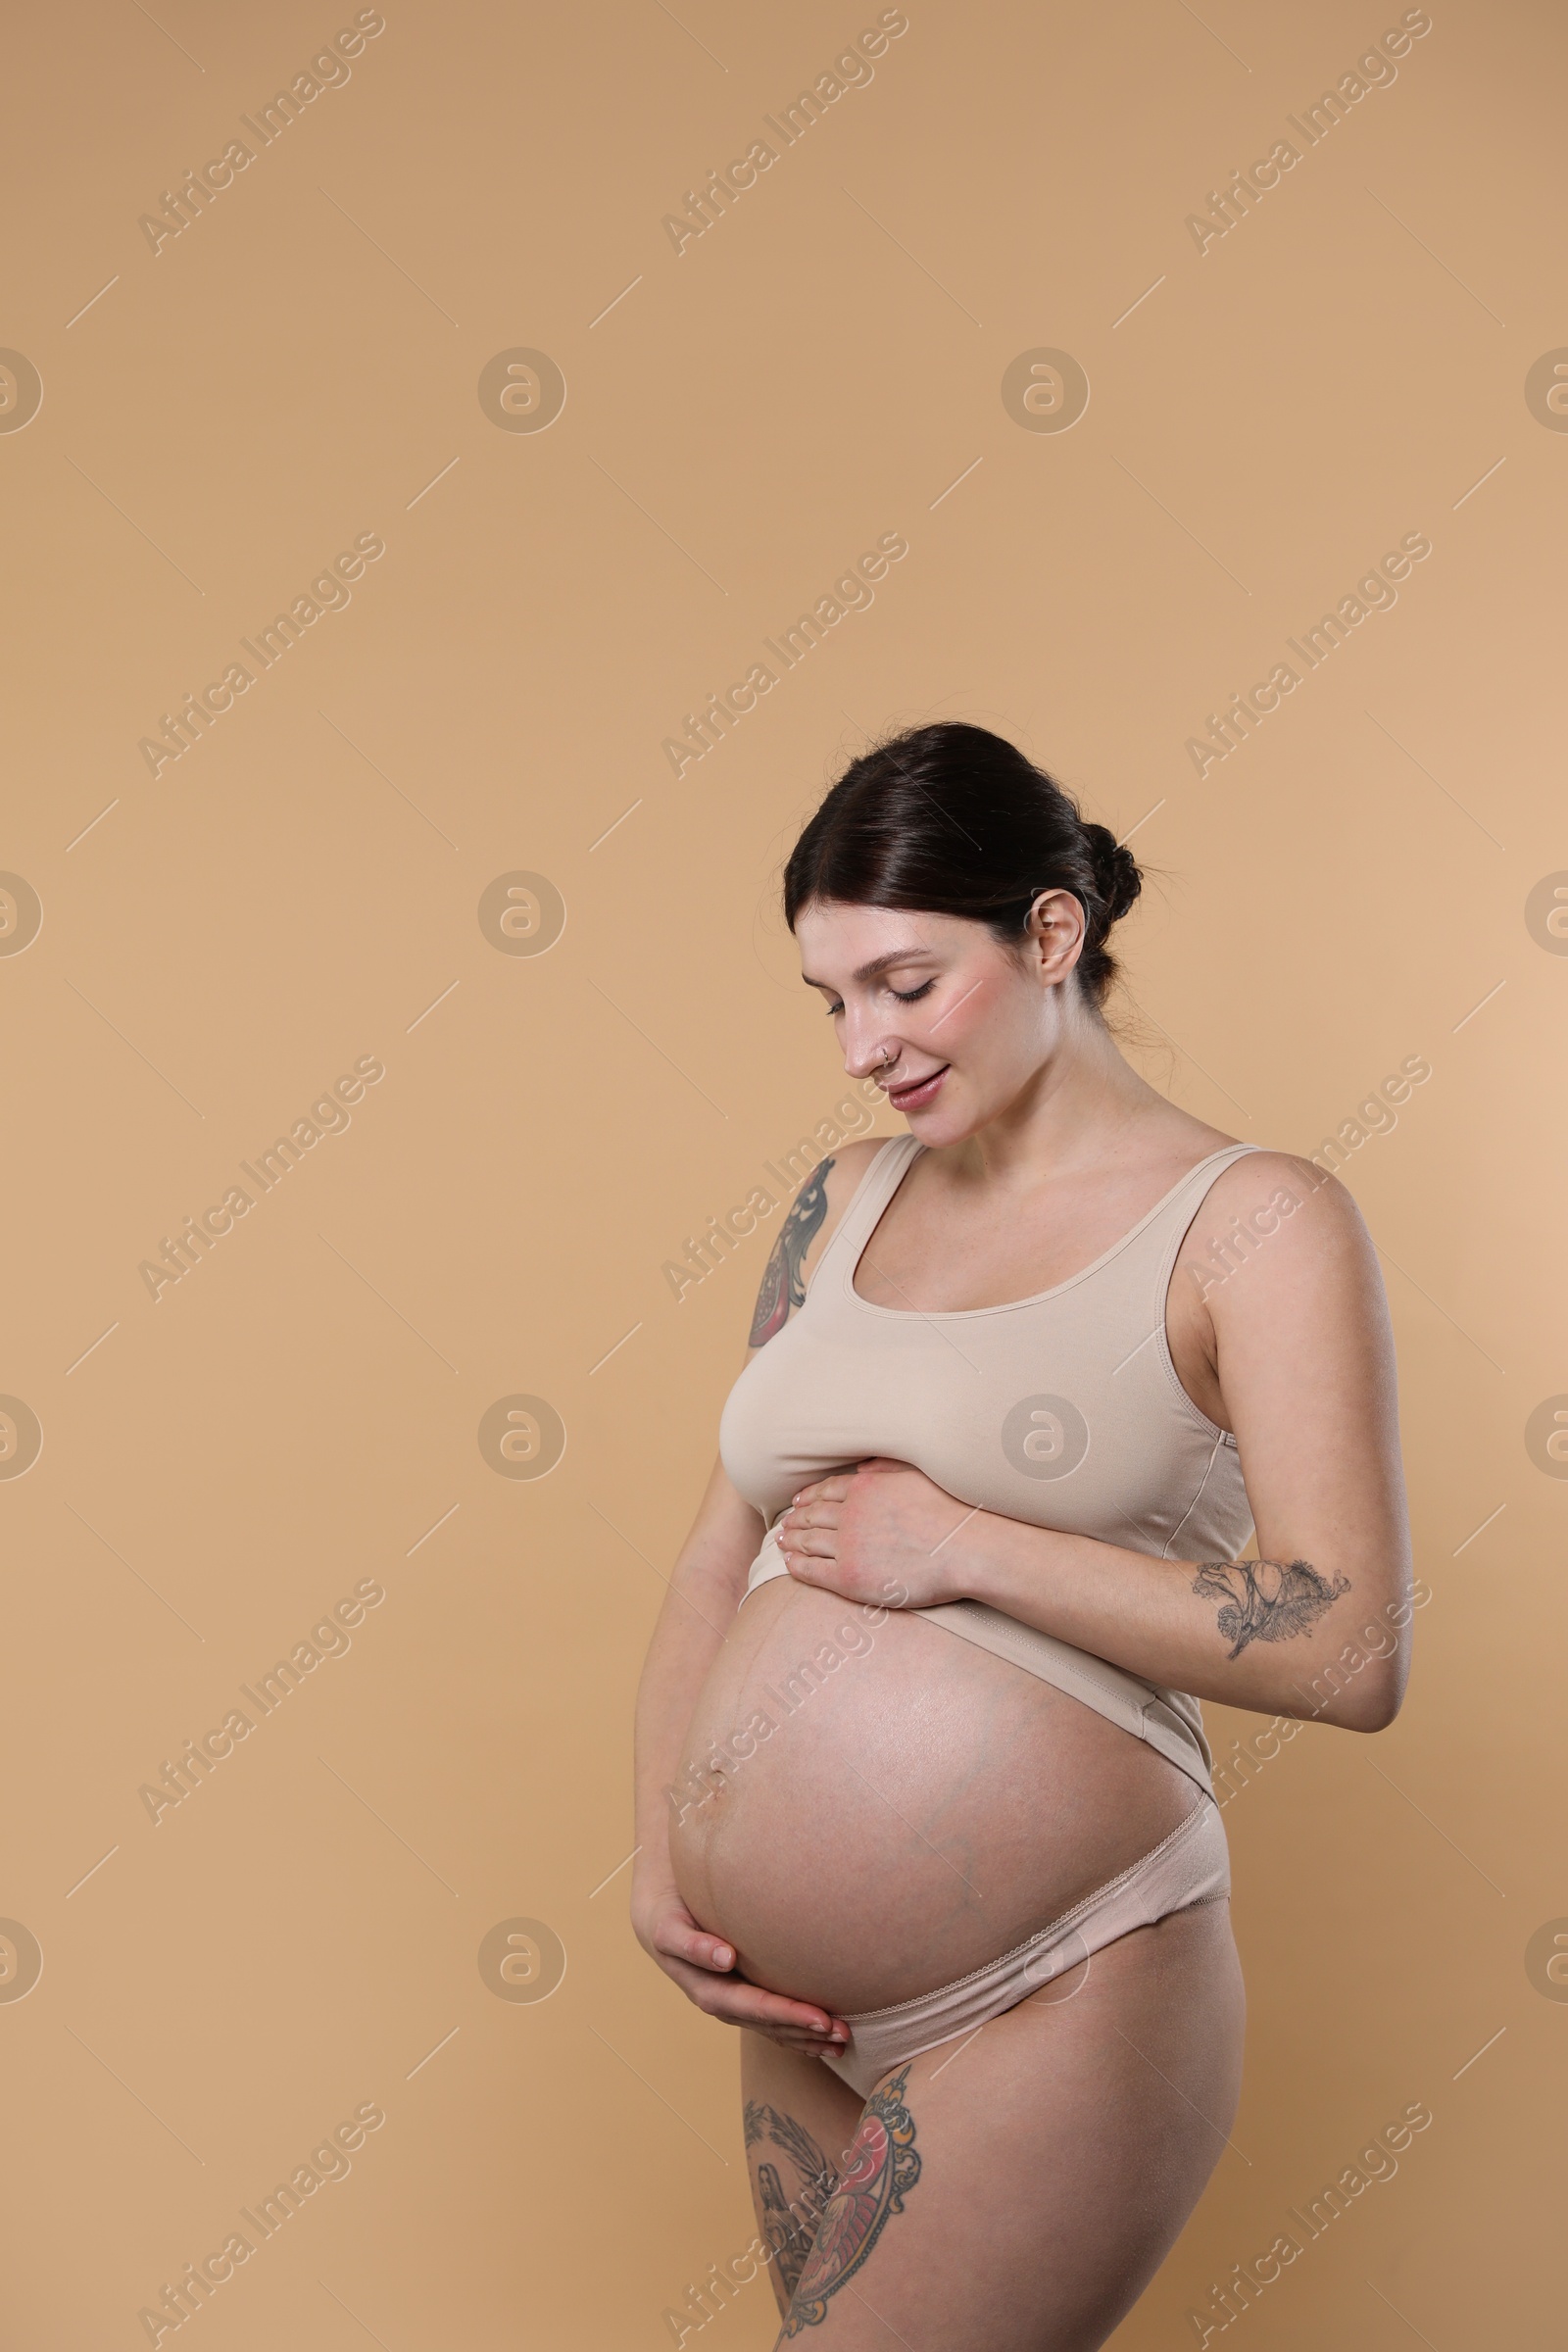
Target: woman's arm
point(704, 1591)
point(1310, 1627)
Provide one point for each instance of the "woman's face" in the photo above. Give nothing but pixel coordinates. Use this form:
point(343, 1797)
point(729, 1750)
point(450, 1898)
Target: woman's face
point(951, 1023)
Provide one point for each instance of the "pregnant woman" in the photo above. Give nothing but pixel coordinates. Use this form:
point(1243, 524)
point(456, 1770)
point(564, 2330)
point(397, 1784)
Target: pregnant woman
point(1063, 1411)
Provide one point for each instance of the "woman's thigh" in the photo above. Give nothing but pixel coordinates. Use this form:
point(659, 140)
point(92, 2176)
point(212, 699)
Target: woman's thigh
point(1015, 2192)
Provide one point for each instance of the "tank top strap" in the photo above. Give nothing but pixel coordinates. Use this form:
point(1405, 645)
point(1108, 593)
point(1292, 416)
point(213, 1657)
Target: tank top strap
point(1168, 1228)
point(871, 1196)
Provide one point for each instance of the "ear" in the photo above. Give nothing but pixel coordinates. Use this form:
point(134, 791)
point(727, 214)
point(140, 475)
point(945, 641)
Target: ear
point(1056, 929)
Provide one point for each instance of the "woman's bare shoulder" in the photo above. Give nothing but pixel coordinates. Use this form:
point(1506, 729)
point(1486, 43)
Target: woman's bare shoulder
point(811, 1222)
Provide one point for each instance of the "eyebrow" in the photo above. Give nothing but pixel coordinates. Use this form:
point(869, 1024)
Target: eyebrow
point(878, 963)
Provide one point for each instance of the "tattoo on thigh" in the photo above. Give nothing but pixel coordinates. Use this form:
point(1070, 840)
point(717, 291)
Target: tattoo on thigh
point(1266, 1600)
point(880, 2168)
point(789, 2223)
point(782, 1286)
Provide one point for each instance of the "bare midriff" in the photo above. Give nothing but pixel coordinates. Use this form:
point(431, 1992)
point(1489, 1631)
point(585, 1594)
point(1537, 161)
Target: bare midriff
point(915, 1810)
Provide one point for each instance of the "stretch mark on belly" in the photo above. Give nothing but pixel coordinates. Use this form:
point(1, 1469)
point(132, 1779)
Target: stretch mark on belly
point(881, 2167)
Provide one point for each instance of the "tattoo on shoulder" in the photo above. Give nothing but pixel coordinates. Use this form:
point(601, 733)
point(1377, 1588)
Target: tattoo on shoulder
point(1266, 1600)
point(782, 1288)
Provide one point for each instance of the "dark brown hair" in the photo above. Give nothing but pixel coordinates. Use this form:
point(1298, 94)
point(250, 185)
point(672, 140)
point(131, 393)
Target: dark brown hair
point(952, 819)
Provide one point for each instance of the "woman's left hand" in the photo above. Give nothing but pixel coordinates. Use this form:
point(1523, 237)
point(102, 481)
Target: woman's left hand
point(881, 1534)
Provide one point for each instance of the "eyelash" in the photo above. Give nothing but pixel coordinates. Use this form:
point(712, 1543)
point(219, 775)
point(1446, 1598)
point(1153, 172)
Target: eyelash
point(911, 996)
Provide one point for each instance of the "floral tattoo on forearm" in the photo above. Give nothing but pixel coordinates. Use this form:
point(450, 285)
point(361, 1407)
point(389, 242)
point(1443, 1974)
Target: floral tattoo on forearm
point(1266, 1600)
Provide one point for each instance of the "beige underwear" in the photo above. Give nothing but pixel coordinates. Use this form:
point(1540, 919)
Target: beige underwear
point(1190, 1866)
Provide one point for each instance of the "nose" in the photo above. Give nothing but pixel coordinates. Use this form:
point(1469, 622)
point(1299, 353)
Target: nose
point(866, 1048)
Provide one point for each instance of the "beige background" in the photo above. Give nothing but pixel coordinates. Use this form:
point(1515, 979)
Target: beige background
point(300, 890)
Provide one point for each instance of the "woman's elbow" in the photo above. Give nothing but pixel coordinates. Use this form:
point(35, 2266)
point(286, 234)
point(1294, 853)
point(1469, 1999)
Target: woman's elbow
point(1354, 1693)
point(1376, 1694)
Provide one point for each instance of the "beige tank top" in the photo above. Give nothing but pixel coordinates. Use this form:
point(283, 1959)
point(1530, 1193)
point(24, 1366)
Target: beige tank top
point(1063, 1410)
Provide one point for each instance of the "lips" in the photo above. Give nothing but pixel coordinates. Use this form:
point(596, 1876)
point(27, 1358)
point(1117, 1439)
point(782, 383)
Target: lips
point(919, 1092)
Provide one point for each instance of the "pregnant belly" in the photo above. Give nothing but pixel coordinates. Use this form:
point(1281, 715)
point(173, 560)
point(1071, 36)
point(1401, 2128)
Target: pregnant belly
point(869, 1811)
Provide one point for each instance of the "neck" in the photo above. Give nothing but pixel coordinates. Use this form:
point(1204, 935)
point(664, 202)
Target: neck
point(1077, 1110)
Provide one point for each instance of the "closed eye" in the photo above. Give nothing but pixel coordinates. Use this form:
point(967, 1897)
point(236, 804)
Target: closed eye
point(911, 996)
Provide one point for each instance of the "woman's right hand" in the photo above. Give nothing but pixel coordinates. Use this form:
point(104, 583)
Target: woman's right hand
point(703, 1967)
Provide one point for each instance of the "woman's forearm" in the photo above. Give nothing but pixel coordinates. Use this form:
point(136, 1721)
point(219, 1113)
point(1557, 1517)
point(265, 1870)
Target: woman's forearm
point(1281, 1636)
point(705, 1587)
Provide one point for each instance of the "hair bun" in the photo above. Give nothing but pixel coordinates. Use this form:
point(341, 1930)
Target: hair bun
point(1116, 874)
